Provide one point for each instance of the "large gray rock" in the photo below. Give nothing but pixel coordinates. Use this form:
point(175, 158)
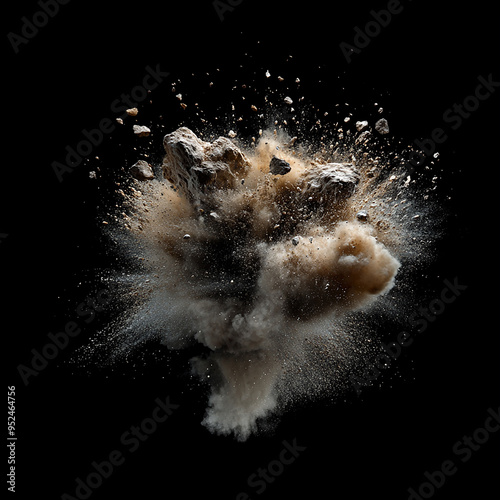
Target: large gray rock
point(194, 166)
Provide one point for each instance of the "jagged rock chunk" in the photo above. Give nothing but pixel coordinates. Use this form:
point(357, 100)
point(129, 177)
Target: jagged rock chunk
point(142, 171)
point(277, 166)
point(195, 166)
point(332, 180)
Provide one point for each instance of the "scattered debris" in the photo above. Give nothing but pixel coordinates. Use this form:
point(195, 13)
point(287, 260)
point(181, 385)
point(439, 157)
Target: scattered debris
point(142, 171)
point(92, 175)
point(277, 166)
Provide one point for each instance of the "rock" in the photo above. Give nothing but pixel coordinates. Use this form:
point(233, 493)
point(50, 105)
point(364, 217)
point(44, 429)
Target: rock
point(142, 171)
point(288, 100)
point(362, 216)
point(381, 126)
point(360, 126)
point(132, 111)
point(335, 180)
point(295, 240)
point(363, 137)
point(195, 166)
point(141, 130)
point(186, 237)
point(277, 166)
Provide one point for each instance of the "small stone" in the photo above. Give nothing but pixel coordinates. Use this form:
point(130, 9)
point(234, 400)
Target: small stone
point(381, 126)
point(141, 130)
point(295, 240)
point(362, 215)
point(362, 125)
point(132, 111)
point(277, 166)
point(120, 121)
point(363, 137)
point(92, 175)
point(253, 107)
point(288, 100)
point(186, 237)
point(231, 134)
point(142, 171)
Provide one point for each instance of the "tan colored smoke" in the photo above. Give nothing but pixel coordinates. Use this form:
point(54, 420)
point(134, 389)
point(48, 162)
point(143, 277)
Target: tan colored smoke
point(252, 264)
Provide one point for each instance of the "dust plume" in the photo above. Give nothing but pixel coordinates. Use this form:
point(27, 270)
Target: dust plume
point(270, 255)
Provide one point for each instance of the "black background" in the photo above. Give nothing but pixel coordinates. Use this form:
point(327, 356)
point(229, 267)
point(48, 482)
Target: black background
point(376, 445)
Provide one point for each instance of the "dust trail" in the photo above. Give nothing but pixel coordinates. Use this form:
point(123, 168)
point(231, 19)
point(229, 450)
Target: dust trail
point(269, 257)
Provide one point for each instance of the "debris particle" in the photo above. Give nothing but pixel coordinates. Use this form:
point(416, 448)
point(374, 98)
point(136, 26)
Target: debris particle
point(277, 166)
point(120, 121)
point(362, 215)
point(141, 130)
point(288, 100)
point(142, 171)
point(362, 125)
point(295, 240)
point(132, 111)
point(382, 127)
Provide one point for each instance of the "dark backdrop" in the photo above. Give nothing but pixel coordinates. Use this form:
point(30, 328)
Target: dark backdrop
point(65, 78)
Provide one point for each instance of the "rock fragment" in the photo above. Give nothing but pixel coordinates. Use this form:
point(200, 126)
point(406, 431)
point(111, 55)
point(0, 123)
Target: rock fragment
point(277, 166)
point(361, 125)
point(362, 216)
point(132, 111)
point(142, 171)
point(141, 130)
point(381, 126)
point(332, 180)
point(196, 167)
point(295, 240)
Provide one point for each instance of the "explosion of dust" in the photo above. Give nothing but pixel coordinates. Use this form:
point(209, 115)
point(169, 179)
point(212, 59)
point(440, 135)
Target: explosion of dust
point(275, 273)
